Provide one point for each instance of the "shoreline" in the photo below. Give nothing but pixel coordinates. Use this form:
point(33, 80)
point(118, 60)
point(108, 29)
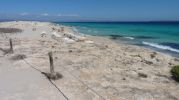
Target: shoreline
point(96, 67)
point(170, 47)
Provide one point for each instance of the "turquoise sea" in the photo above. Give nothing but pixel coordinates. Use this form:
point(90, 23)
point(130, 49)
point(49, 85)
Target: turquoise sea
point(160, 36)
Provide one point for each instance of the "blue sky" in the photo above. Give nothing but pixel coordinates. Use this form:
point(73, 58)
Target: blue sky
point(97, 10)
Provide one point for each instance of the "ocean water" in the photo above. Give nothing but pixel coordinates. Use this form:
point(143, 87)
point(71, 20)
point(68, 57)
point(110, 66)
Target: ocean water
point(160, 36)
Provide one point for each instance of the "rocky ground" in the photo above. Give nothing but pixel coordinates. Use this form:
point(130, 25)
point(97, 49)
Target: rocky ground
point(93, 68)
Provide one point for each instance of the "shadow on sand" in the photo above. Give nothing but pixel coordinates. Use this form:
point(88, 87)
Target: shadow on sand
point(5, 51)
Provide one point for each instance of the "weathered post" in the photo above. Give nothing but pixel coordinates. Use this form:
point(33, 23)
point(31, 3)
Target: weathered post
point(52, 75)
point(11, 46)
point(51, 63)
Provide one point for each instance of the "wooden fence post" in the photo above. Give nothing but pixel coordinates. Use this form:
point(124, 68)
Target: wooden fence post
point(11, 46)
point(52, 75)
point(51, 63)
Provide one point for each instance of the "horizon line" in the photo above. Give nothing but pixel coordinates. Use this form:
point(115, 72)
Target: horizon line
point(4, 20)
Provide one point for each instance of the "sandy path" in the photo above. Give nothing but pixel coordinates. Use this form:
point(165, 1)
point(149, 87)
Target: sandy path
point(24, 83)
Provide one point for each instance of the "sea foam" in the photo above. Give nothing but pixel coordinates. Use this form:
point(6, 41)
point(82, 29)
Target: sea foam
point(161, 46)
point(131, 38)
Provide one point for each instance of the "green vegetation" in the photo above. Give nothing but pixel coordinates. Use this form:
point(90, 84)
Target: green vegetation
point(175, 72)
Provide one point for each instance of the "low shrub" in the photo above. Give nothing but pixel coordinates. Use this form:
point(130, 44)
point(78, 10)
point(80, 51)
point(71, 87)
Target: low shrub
point(175, 72)
point(142, 75)
point(53, 76)
point(18, 57)
point(10, 30)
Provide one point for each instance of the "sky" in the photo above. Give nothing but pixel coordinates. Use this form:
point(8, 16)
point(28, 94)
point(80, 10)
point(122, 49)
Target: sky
point(90, 10)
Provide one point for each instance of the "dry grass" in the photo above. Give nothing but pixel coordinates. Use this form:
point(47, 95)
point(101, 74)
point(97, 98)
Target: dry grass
point(142, 75)
point(10, 30)
point(53, 76)
point(18, 57)
point(5, 51)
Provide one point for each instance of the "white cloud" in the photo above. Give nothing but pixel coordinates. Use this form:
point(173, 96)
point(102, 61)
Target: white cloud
point(45, 14)
point(24, 14)
point(59, 15)
point(68, 15)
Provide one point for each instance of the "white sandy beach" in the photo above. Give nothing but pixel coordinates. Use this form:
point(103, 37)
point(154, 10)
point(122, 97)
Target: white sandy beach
point(93, 68)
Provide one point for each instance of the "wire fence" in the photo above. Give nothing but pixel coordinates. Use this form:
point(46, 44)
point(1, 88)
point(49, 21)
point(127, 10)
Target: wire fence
point(70, 73)
point(47, 78)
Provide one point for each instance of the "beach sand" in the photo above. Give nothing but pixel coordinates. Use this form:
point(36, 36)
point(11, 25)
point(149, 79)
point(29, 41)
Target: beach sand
point(93, 68)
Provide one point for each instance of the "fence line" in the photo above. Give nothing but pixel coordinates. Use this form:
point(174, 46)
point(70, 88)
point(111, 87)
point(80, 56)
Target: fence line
point(71, 75)
point(56, 85)
point(85, 84)
point(48, 78)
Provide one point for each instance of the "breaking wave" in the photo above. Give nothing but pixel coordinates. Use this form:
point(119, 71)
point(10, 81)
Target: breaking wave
point(164, 47)
point(131, 38)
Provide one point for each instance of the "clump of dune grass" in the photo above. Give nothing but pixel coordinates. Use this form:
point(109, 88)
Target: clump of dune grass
point(142, 75)
point(6, 51)
point(53, 76)
point(18, 57)
point(175, 72)
point(10, 30)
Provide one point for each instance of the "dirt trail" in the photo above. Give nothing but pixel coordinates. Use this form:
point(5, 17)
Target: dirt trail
point(20, 82)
